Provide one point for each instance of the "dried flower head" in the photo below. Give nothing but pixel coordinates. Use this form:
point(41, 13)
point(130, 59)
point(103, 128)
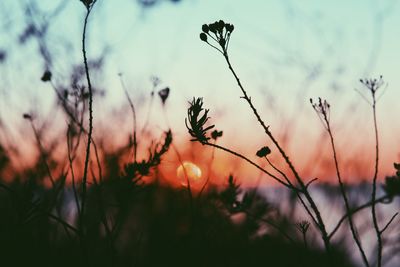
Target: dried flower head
point(263, 152)
point(373, 84)
point(322, 107)
point(164, 93)
point(220, 32)
point(88, 3)
point(195, 122)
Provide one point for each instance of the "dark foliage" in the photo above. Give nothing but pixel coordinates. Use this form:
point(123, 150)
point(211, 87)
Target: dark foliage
point(392, 183)
point(195, 122)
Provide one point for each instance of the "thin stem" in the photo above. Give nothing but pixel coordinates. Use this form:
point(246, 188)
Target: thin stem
point(252, 163)
point(278, 170)
point(90, 131)
point(373, 196)
point(354, 211)
point(70, 160)
point(43, 154)
point(297, 193)
point(134, 119)
point(274, 225)
point(305, 239)
point(149, 108)
point(209, 171)
point(343, 192)
point(389, 222)
point(320, 224)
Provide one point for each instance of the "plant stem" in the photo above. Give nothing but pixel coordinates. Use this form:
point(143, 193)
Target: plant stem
point(354, 211)
point(343, 192)
point(373, 197)
point(305, 240)
point(252, 163)
point(70, 160)
point(304, 190)
point(90, 131)
point(135, 145)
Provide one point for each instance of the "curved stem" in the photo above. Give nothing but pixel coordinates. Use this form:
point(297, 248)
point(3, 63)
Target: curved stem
point(252, 163)
point(90, 131)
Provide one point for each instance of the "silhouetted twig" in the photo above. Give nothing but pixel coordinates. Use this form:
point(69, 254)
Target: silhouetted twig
point(221, 32)
point(322, 108)
point(372, 85)
point(355, 210)
point(89, 6)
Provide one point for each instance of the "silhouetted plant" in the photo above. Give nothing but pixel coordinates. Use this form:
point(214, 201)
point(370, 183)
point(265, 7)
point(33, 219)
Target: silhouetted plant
point(164, 93)
point(373, 85)
point(230, 195)
point(303, 226)
point(217, 35)
point(322, 108)
point(392, 183)
point(121, 222)
point(220, 32)
point(89, 6)
point(195, 122)
point(263, 152)
point(137, 169)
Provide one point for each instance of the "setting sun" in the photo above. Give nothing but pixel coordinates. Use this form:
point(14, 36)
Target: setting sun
point(191, 170)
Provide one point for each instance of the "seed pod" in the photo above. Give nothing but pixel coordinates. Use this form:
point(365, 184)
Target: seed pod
point(263, 152)
point(205, 28)
point(203, 37)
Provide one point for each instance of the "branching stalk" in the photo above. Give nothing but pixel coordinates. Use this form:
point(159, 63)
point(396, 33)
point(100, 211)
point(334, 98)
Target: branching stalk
point(320, 223)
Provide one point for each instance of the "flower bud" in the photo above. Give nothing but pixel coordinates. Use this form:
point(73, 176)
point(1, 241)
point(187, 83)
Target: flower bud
point(203, 37)
point(46, 76)
point(263, 152)
point(205, 28)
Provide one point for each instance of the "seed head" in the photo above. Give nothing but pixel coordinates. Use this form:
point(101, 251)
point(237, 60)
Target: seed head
point(263, 152)
point(220, 32)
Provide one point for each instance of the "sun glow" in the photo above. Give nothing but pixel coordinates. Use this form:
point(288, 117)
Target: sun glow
point(188, 171)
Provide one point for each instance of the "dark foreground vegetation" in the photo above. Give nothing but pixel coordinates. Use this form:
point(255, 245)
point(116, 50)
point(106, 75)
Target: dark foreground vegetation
point(149, 225)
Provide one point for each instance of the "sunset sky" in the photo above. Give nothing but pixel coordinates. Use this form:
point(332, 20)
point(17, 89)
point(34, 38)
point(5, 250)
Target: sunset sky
point(283, 52)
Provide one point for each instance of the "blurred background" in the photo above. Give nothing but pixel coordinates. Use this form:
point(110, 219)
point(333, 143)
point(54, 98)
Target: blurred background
point(285, 52)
